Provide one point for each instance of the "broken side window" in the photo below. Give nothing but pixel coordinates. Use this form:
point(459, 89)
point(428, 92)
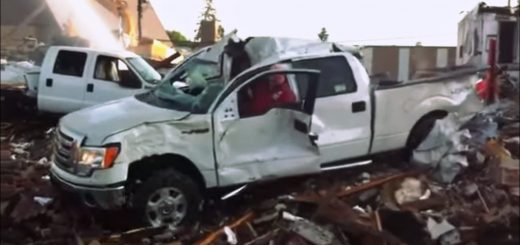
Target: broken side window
point(336, 75)
point(70, 63)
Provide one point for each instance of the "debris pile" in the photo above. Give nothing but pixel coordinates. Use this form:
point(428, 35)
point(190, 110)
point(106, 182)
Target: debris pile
point(461, 188)
point(465, 190)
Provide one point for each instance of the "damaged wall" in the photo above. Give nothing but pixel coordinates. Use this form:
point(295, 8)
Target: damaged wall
point(482, 24)
point(20, 19)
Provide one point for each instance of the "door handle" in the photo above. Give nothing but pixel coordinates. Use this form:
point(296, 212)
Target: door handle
point(359, 106)
point(48, 82)
point(313, 137)
point(300, 126)
point(90, 87)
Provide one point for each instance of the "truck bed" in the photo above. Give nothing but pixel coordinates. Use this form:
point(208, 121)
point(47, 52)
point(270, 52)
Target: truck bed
point(397, 107)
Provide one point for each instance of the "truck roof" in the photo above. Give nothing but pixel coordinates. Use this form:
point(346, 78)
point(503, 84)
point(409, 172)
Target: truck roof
point(118, 52)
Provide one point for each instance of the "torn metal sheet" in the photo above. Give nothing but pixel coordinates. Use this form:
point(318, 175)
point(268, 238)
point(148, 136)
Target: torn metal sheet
point(451, 238)
point(481, 129)
point(444, 148)
point(438, 229)
point(450, 166)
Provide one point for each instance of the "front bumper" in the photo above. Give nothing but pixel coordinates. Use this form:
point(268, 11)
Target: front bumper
point(112, 197)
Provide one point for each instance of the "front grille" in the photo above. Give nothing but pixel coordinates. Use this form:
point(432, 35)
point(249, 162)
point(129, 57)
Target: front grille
point(63, 155)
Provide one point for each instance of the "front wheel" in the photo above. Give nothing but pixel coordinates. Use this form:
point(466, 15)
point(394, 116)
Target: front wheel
point(167, 198)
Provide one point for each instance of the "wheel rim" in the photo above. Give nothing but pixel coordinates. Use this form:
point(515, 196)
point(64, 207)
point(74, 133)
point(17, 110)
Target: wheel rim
point(166, 207)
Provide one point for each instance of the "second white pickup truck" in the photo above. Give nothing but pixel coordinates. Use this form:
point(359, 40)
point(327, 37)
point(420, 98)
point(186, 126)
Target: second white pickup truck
point(300, 108)
point(71, 78)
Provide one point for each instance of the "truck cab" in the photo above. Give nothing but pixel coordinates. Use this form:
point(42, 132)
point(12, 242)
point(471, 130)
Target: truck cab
point(72, 78)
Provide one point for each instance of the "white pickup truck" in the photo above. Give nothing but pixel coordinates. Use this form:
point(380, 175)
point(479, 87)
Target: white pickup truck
point(157, 152)
point(71, 78)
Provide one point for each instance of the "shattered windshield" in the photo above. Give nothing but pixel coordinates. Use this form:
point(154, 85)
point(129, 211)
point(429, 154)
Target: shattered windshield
point(145, 70)
point(193, 86)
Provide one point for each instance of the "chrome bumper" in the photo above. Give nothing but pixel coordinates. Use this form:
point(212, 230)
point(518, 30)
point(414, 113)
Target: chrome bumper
point(99, 197)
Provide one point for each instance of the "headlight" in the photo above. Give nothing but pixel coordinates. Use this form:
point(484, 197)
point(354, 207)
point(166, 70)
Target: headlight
point(96, 157)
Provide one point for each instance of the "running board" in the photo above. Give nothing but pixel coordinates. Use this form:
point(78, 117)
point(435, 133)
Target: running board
point(346, 165)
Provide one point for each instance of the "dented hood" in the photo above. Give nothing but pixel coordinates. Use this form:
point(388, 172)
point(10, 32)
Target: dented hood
point(98, 122)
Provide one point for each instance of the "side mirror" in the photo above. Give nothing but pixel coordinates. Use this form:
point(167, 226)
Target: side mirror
point(129, 80)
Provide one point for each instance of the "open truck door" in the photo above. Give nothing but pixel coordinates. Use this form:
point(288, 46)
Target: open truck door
point(269, 142)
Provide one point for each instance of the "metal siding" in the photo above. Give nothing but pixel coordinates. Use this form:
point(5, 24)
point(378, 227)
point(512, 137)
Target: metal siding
point(404, 64)
point(368, 54)
point(442, 57)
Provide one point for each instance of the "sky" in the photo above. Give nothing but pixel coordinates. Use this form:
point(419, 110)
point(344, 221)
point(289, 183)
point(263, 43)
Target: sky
point(361, 22)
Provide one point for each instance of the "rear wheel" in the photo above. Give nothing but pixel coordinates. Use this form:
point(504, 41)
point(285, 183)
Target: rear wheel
point(168, 198)
point(421, 130)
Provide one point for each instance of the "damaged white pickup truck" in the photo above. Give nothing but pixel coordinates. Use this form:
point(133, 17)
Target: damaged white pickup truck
point(252, 110)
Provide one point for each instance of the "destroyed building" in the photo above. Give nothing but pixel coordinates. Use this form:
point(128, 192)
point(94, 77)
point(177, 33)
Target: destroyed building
point(44, 20)
point(483, 24)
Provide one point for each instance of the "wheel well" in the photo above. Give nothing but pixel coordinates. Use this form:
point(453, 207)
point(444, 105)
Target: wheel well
point(437, 114)
point(144, 168)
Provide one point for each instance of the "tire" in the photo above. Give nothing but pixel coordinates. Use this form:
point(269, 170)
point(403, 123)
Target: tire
point(420, 131)
point(169, 196)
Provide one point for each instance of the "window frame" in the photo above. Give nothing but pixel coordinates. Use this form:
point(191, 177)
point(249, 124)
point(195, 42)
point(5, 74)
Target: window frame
point(305, 105)
point(83, 67)
point(113, 58)
point(294, 64)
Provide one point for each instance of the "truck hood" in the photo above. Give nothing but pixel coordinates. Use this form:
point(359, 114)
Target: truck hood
point(98, 122)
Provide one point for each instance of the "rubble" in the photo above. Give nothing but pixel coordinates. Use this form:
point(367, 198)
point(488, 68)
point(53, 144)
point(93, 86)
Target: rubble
point(475, 202)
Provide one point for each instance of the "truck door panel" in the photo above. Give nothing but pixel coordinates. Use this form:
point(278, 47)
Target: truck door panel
point(266, 145)
point(342, 110)
point(62, 82)
point(105, 81)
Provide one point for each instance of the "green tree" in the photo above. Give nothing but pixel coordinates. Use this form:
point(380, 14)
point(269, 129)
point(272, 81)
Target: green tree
point(323, 35)
point(208, 15)
point(176, 36)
